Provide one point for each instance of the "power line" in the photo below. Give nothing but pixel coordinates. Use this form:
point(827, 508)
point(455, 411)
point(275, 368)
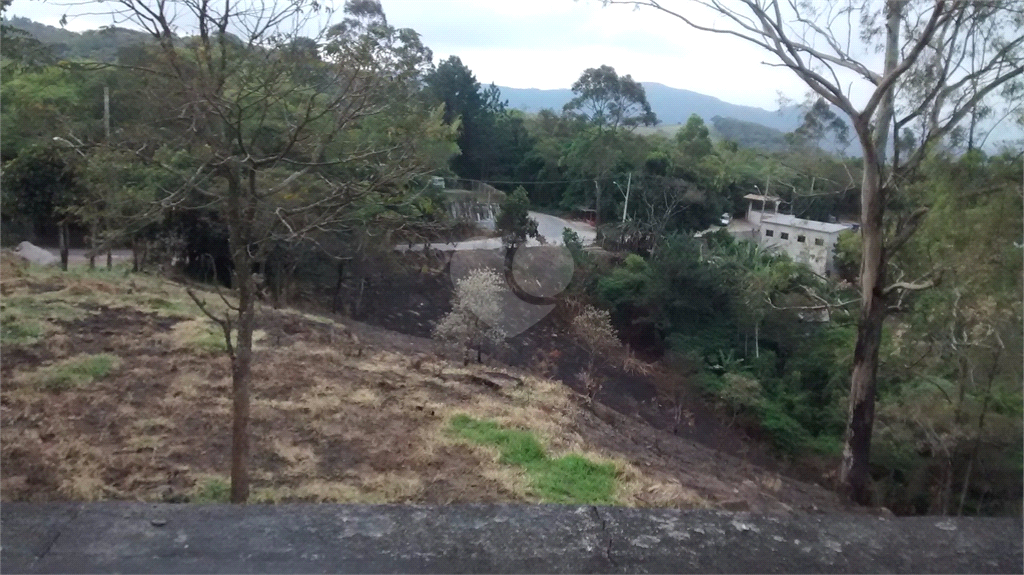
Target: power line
point(510, 182)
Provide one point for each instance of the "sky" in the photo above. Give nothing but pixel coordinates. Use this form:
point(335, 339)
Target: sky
point(549, 43)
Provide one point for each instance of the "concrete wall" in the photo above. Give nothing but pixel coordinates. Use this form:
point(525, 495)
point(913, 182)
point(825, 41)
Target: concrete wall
point(787, 239)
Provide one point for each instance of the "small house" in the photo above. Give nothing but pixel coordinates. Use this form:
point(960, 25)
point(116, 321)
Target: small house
point(806, 241)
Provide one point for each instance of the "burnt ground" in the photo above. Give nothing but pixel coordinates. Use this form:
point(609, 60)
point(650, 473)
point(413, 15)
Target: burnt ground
point(411, 302)
point(340, 412)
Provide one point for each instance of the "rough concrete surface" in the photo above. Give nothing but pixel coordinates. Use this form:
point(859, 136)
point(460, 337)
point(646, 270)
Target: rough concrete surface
point(149, 538)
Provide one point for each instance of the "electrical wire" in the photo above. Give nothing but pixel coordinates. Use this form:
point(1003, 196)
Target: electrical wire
point(510, 182)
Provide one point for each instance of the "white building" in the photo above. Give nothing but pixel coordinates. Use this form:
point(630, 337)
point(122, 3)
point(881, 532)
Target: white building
point(806, 241)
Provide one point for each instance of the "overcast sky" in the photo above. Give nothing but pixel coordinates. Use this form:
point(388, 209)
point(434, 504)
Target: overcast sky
point(548, 43)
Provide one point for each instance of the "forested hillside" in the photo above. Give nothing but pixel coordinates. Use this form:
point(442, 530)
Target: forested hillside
point(286, 166)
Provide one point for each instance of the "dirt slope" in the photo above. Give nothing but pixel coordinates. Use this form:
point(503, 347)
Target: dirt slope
point(115, 387)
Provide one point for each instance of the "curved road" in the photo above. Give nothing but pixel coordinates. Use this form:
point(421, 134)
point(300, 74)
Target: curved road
point(549, 226)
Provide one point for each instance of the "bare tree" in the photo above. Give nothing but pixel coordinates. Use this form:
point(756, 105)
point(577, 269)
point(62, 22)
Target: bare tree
point(594, 329)
point(660, 200)
point(284, 135)
point(941, 59)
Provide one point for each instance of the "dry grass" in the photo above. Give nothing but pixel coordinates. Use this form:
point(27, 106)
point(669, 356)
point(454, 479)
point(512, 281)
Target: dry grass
point(313, 491)
point(332, 421)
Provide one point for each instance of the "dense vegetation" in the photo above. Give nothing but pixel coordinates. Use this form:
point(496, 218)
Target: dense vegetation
point(767, 340)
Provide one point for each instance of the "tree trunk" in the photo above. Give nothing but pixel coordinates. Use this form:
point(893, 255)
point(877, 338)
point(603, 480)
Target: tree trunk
point(336, 302)
point(135, 255)
point(241, 366)
point(239, 221)
point(854, 473)
point(63, 246)
point(110, 259)
point(92, 248)
point(981, 428)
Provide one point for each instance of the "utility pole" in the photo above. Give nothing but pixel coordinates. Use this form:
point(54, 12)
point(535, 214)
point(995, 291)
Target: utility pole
point(106, 112)
point(629, 180)
point(106, 132)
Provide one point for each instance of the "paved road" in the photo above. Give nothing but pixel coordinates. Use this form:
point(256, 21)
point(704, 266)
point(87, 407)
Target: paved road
point(147, 538)
point(549, 226)
point(77, 256)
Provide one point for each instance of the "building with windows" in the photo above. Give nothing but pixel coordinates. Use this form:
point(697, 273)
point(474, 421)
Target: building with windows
point(807, 241)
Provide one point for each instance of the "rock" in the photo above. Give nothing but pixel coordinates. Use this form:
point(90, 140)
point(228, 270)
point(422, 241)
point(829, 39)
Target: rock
point(35, 254)
point(158, 522)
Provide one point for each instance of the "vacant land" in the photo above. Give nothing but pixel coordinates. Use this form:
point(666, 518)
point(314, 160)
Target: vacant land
point(116, 387)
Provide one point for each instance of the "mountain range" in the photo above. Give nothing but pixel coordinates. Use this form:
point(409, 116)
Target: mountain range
point(672, 105)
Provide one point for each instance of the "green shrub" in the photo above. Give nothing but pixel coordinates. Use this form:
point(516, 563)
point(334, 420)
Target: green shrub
point(214, 490)
point(787, 434)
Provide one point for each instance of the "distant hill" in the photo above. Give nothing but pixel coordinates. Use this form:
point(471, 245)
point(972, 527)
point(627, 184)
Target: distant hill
point(672, 105)
point(748, 126)
point(750, 134)
point(99, 45)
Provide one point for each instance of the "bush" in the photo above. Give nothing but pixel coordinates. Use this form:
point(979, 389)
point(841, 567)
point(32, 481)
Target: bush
point(514, 221)
point(786, 433)
point(214, 490)
point(848, 255)
point(594, 329)
point(740, 392)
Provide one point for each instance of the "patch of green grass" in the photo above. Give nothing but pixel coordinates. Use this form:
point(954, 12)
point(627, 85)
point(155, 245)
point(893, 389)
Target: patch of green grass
point(210, 338)
point(26, 319)
point(570, 479)
point(162, 306)
point(211, 341)
point(213, 490)
point(18, 331)
point(518, 447)
point(75, 372)
point(576, 479)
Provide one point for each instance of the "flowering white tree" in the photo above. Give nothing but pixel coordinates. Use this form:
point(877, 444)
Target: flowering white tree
point(476, 314)
point(594, 328)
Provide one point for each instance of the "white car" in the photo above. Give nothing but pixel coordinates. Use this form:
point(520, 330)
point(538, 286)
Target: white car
point(726, 218)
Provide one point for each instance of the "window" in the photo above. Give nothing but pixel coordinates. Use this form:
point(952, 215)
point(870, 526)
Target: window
point(801, 239)
point(769, 233)
point(819, 242)
point(784, 235)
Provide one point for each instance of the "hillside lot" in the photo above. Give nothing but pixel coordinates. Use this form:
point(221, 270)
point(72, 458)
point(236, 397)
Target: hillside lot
point(115, 386)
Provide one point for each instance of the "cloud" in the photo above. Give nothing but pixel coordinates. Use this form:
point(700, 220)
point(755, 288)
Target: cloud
point(548, 44)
